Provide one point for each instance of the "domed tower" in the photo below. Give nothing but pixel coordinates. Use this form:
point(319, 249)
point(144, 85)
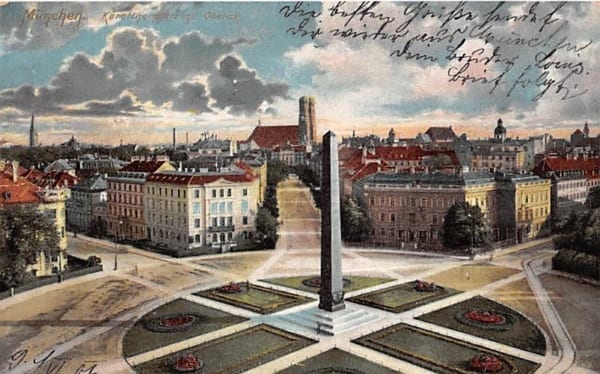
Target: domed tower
point(500, 132)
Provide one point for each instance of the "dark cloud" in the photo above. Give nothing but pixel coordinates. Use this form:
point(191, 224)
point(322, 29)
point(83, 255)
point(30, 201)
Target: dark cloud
point(239, 90)
point(131, 62)
point(191, 97)
point(125, 105)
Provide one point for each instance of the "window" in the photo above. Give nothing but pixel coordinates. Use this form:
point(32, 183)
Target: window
point(214, 193)
point(198, 238)
point(221, 193)
point(412, 218)
point(229, 192)
point(214, 221)
point(213, 208)
point(222, 207)
point(222, 221)
point(214, 238)
point(244, 206)
point(196, 208)
point(393, 217)
point(230, 207)
point(245, 192)
point(197, 223)
point(229, 236)
point(197, 194)
point(372, 201)
point(245, 220)
point(229, 221)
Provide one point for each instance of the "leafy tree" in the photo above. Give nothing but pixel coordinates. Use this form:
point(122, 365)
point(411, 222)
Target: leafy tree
point(580, 232)
point(270, 202)
point(24, 232)
point(356, 224)
point(465, 228)
point(276, 172)
point(266, 228)
point(593, 200)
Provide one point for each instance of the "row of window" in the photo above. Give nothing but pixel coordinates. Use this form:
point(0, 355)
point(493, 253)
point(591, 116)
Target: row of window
point(414, 202)
point(408, 235)
point(125, 187)
point(125, 199)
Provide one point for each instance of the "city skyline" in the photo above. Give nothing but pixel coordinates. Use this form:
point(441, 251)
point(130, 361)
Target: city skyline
point(84, 69)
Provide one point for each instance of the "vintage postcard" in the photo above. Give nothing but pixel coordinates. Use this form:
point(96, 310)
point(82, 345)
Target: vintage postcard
point(299, 187)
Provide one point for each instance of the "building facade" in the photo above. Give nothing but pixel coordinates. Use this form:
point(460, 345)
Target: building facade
point(85, 196)
point(126, 199)
point(214, 211)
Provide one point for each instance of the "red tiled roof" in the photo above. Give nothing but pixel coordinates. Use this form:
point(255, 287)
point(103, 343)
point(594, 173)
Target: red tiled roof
point(367, 170)
point(244, 166)
point(199, 179)
point(590, 166)
point(271, 136)
point(20, 192)
point(143, 166)
point(58, 179)
point(413, 153)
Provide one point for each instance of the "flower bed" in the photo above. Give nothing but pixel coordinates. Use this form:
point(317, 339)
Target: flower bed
point(421, 286)
point(315, 282)
point(185, 363)
point(230, 288)
point(485, 319)
point(171, 323)
point(486, 363)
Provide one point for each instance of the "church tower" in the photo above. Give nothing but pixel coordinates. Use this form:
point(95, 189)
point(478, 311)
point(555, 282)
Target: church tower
point(33, 141)
point(586, 130)
point(500, 132)
point(307, 122)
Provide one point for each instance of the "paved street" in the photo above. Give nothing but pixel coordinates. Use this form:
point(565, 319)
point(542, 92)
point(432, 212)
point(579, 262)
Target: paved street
point(101, 307)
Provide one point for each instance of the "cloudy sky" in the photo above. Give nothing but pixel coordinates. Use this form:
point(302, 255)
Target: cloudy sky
point(107, 72)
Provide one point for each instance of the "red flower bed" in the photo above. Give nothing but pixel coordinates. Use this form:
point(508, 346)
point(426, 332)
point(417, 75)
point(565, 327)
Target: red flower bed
point(421, 286)
point(486, 364)
point(315, 282)
point(177, 321)
point(187, 363)
point(487, 317)
point(230, 288)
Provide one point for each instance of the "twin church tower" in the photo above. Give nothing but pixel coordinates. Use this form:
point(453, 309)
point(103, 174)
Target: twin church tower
point(307, 121)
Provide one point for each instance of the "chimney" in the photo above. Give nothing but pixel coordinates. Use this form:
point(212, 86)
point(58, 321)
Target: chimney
point(15, 171)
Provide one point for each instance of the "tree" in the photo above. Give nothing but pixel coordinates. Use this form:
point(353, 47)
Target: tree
point(580, 232)
point(356, 224)
point(24, 233)
point(270, 202)
point(276, 172)
point(266, 228)
point(465, 228)
point(593, 199)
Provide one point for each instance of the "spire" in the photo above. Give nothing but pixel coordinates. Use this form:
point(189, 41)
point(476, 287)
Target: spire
point(32, 137)
point(586, 130)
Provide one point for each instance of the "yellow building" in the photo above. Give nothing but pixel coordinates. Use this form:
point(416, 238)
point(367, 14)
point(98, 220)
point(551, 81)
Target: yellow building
point(480, 190)
point(525, 204)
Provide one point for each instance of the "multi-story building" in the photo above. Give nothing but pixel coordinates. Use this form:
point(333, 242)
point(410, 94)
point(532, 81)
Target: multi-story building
point(408, 209)
point(524, 206)
point(126, 199)
point(498, 153)
point(211, 211)
point(17, 190)
point(85, 196)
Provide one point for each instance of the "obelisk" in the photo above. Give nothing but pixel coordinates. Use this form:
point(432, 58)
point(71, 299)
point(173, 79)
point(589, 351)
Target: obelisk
point(331, 294)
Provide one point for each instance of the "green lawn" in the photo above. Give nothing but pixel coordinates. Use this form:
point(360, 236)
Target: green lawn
point(522, 333)
point(256, 298)
point(436, 352)
point(337, 361)
point(356, 282)
point(236, 353)
point(401, 297)
point(139, 339)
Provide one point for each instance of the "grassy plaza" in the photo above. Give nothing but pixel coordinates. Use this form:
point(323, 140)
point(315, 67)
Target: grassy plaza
point(253, 297)
point(402, 297)
point(436, 352)
point(237, 352)
point(351, 283)
point(519, 332)
point(140, 339)
point(337, 361)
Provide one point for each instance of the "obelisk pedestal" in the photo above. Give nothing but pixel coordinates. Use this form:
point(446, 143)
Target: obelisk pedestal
point(331, 293)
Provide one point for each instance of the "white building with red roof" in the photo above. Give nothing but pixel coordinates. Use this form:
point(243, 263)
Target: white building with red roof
point(206, 212)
